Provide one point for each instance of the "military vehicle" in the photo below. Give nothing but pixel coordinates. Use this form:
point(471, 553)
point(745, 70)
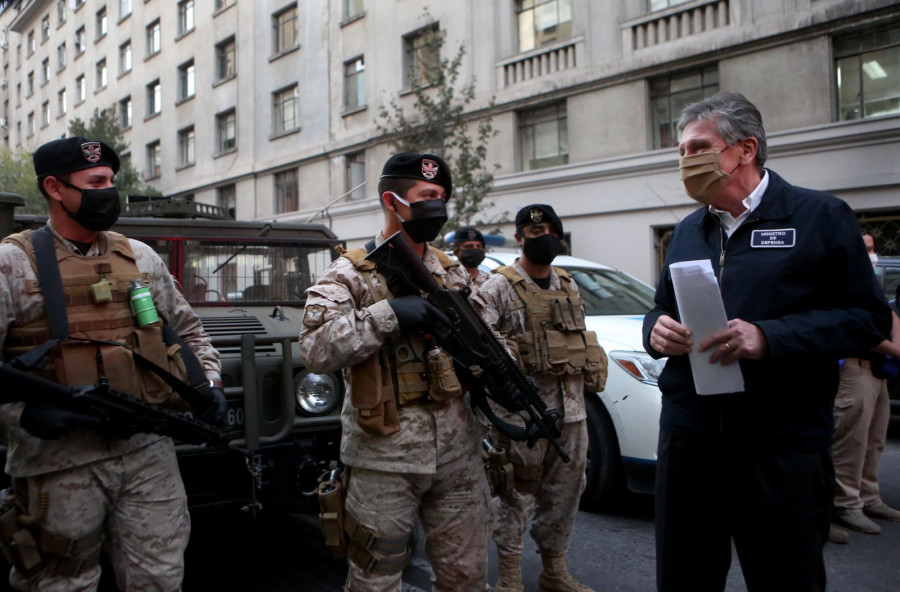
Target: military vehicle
point(246, 281)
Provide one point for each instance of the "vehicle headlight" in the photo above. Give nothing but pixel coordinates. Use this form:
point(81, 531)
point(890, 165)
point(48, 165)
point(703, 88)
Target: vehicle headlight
point(316, 394)
point(639, 365)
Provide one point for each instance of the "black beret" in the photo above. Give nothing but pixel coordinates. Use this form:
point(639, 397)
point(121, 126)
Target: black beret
point(467, 233)
point(537, 213)
point(73, 154)
point(422, 167)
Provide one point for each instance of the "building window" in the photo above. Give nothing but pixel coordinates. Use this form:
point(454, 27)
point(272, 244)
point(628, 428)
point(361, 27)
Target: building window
point(286, 110)
point(226, 198)
point(867, 64)
point(125, 113)
point(670, 94)
point(285, 29)
point(61, 56)
point(154, 156)
point(287, 193)
point(102, 23)
point(353, 8)
point(226, 67)
point(354, 83)
point(125, 57)
point(78, 4)
point(154, 98)
point(45, 28)
point(544, 136)
point(543, 21)
point(60, 11)
point(102, 79)
point(80, 40)
point(186, 88)
point(29, 84)
point(153, 38)
point(664, 4)
point(45, 70)
point(185, 16)
point(80, 89)
point(186, 146)
point(61, 102)
point(125, 8)
point(355, 175)
point(30, 124)
point(18, 94)
point(421, 55)
point(29, 43)
point(45, 114)
point(226, 131)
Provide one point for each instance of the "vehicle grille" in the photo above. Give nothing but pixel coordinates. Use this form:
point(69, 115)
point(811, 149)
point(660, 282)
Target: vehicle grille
point(271, 399)
point(232, 326)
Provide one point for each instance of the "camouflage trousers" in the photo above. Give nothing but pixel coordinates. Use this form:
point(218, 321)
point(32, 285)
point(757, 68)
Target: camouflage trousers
point(452, 505)
point(139, 501)
point(555, 502)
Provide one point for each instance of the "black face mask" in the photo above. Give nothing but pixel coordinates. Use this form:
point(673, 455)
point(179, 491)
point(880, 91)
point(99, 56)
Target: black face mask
point(542, 250)
point(428, 217)
point(99, 209)
point(471, 257)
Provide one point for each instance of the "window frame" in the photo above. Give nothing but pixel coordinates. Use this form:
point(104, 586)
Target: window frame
point(415, 45)
point(154, 38)
point(154, 98)
point(281, 183)
point(186, 17)
point(680, 80)
point(279, 25)
point(126, 113)
point(154, 159)
point(870, 44)
point(225, 49)
point(187, 146)
point(126, 54)
point(530, 119)
point(526, 12)
point(187, 77)
point(358, 77)
point(282, 99)
point(225, 121)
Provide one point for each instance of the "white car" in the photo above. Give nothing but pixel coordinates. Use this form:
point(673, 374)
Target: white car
point(623, 420)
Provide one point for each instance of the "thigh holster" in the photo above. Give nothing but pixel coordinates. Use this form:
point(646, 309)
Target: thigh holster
point(67, 556)
point(372, 553)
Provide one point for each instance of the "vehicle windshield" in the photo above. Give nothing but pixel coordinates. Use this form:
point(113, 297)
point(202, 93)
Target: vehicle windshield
point(248, 272)
point(610, 292)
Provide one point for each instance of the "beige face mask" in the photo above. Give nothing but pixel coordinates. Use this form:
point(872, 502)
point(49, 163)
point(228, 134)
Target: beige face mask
point(703, 176)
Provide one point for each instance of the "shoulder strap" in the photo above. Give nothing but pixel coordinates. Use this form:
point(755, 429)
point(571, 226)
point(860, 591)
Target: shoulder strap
point(565, 279)
point(51, 282)
point(445, 261)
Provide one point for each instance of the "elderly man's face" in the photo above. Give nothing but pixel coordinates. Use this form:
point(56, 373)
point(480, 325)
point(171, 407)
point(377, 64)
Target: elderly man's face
point(703, 136)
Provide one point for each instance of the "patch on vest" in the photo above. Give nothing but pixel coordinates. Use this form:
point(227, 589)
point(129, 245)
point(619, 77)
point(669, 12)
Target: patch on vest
point(782, 238)
point(314, 316)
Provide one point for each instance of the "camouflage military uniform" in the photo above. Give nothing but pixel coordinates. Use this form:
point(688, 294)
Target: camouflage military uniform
point(482, 277)
point(559, 487)
point(431, 467)
point(131, 489)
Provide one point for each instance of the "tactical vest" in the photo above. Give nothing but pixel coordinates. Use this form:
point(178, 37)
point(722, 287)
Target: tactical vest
point(411, 370)
point(76, 363)
point(556, 341)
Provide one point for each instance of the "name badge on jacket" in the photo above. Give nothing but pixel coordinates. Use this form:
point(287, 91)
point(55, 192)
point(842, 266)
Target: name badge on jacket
point(782, 238)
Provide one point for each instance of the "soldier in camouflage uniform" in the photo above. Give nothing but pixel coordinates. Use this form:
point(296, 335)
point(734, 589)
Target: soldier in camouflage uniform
point(537, 308)
point(468, 247)
point(410, 440)
point(88, 490)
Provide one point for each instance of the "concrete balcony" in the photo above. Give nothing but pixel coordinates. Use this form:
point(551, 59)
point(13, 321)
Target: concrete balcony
point(678, 22)
point(563, 56)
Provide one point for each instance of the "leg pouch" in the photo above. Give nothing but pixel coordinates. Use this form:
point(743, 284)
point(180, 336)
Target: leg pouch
point(372, 397)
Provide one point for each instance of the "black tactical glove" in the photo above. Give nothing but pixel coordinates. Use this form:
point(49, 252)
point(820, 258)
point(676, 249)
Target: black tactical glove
point(52, 423)
point(414, 313)
point(215, 405)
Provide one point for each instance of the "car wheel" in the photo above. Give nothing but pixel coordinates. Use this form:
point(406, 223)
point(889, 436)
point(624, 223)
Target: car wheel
point(605, 478)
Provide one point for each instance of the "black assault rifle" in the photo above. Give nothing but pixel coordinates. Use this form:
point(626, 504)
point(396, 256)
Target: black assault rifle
point(119, 415)
point(473, 347)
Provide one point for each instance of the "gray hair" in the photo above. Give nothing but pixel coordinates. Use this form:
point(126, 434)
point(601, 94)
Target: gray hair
point(735, 117)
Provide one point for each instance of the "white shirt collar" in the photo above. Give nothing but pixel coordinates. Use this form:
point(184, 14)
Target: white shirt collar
point(729, 222)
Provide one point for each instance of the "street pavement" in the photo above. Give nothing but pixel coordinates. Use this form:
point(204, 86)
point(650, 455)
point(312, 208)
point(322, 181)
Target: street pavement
point(611, 552)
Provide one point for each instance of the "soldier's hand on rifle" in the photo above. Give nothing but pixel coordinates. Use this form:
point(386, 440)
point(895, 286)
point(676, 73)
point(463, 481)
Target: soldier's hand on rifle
point(415, 314)
point(52, 423)
point(216, 405)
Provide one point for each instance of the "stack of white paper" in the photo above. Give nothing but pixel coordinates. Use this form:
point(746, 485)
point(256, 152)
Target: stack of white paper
point(701, 310)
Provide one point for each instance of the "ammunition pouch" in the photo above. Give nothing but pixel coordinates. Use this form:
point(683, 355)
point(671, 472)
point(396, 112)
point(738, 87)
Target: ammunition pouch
point(372, 396)
point(443, 382)
point(374, 554)
point(331, 516)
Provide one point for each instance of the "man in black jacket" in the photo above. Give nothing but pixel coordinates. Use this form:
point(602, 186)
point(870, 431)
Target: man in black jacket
point(754, 466)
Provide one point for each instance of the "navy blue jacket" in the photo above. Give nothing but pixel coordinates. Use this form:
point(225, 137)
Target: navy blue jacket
point(816, 302)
